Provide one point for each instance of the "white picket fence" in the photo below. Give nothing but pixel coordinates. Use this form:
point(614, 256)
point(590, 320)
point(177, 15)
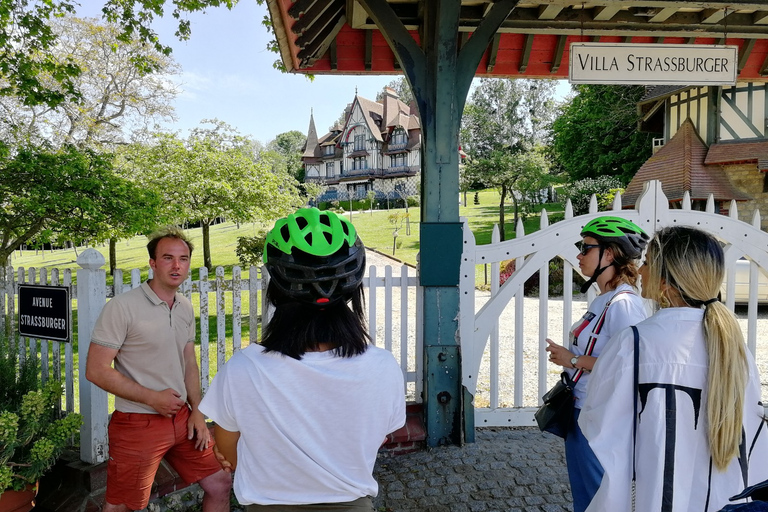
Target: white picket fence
point(236, 304)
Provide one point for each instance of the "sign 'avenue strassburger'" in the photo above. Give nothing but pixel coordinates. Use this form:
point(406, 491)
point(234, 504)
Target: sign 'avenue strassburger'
point(44, 312)
point(652, 64)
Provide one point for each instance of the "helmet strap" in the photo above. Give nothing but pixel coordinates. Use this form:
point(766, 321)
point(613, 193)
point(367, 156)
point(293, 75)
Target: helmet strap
point(597, 272)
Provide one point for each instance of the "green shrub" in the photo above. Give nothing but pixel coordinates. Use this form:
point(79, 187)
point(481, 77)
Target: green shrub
point(32, 433)
point(581, 191)
point(250, 249)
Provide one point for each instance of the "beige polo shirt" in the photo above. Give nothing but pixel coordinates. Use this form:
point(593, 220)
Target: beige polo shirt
point(150, 338)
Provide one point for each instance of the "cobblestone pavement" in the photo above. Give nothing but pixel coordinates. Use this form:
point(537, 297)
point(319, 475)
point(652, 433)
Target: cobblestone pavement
point(504, 470)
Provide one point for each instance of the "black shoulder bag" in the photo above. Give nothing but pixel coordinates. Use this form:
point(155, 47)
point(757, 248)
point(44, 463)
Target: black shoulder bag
point(556, 413)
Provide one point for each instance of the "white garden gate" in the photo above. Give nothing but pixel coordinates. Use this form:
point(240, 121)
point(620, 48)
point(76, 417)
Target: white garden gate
point(479, 324)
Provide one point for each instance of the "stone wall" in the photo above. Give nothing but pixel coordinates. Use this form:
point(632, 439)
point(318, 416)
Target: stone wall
point(749, 180)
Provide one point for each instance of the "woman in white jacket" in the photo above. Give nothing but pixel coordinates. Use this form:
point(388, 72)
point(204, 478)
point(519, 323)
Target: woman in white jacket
point(701, 437)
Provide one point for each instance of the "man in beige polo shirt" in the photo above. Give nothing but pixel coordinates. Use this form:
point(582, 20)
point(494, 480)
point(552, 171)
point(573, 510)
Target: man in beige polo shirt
point(149, 335)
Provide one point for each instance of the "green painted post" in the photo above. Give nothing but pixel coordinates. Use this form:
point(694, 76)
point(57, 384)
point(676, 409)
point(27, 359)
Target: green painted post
point(440, 77)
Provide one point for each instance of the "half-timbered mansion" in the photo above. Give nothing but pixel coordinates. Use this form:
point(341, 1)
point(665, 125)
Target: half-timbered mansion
point(376, 149)
point(714, 141)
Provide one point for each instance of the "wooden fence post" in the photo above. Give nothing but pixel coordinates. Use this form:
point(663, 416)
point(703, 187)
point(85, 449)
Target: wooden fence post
point(91, 297)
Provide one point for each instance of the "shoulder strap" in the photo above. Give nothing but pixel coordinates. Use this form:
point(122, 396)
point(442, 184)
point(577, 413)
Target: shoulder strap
point(596, 330)
point(636, 387)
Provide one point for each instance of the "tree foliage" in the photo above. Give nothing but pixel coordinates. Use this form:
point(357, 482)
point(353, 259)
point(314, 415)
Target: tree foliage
point(289, 147)
point(596, 133)
point(26, 39)
point(66, 194)
point(402, 88)
point(212, 175)
point(115, 97)
point(507, 115)
point(30, 70)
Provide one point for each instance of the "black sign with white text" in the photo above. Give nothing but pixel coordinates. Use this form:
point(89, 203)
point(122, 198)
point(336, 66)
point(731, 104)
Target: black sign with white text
point(44, 312)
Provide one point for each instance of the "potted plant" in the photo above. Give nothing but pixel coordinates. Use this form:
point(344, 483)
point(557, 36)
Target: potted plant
point(32, 433)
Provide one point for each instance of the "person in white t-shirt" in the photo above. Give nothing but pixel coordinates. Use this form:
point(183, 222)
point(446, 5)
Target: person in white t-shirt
point(608, 252)
point(701, 436)
point(300, 417)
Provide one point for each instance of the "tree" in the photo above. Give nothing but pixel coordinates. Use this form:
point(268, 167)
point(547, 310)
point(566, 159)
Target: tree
point(503, 114)
point(517, 175)
point(402, 88)
point(290, 146)
point(29, 69)
point(312, 191)
point(115, 96)
point(502, 121)
point(212, 175)
point(596, 133)
point(65, 194)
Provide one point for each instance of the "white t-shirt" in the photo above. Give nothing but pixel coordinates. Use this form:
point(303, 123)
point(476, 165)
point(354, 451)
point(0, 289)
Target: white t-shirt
point(673, 457)
point(310, 429)
point(627, 309)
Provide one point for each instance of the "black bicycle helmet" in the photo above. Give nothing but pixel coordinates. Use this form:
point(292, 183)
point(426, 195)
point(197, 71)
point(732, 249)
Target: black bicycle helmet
point(315, 257)
point(614, 230)
point(624, 233)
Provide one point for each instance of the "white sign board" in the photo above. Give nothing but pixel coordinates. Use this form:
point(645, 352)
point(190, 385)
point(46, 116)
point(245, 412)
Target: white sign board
point(652, 64)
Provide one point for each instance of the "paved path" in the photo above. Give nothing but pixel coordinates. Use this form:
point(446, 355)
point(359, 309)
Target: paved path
point(505, 470)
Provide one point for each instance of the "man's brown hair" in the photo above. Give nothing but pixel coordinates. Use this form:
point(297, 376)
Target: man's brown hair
point(167, 232)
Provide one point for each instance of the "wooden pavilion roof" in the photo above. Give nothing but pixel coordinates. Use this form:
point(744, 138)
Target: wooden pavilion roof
point(339, 37)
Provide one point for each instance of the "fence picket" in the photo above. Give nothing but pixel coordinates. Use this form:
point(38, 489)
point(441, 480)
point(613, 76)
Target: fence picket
point(205, 367)
point(404, 311)
point(372, 293)
point(388, 307)
point(221, 327)
point(44, 343)
point(253, 304)
point(236, 309)
point(69, 358)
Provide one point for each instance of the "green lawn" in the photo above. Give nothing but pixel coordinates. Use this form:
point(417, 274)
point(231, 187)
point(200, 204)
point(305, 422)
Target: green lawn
point(375, 228)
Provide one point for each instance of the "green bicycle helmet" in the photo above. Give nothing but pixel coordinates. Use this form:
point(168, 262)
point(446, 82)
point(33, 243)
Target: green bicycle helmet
point(624, 233)
point(618, 231)
point(315, 257)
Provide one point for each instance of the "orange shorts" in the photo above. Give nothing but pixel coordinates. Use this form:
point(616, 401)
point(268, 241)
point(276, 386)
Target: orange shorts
point(137, 444)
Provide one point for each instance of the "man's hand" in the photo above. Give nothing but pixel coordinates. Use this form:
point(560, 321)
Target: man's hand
point(196, 427)
point(225, 464)
point(166, 402)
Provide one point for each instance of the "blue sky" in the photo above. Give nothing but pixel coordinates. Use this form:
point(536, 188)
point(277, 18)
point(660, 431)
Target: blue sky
point(227, 74)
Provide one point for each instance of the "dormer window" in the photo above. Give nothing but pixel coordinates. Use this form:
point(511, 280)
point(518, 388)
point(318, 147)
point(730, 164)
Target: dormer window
point(327, 150)
point(399, 136)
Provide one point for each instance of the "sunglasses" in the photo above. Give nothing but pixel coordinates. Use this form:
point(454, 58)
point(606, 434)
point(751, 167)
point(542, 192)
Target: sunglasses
point(584, 248)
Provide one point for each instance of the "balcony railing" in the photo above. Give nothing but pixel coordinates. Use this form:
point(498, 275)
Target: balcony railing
point(365, 173)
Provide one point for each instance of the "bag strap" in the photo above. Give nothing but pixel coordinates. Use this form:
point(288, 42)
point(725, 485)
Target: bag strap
point(596, 331)
point(636, 387)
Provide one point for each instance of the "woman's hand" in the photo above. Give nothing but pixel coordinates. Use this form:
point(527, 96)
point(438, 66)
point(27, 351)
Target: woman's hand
point(559, 354)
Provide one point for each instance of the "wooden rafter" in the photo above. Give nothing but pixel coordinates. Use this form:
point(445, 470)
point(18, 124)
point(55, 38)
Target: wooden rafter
point(493, 53)
point(557, 57)
point(526, 53)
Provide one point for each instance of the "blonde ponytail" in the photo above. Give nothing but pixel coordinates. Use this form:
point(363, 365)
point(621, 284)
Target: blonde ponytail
point(727, 381)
